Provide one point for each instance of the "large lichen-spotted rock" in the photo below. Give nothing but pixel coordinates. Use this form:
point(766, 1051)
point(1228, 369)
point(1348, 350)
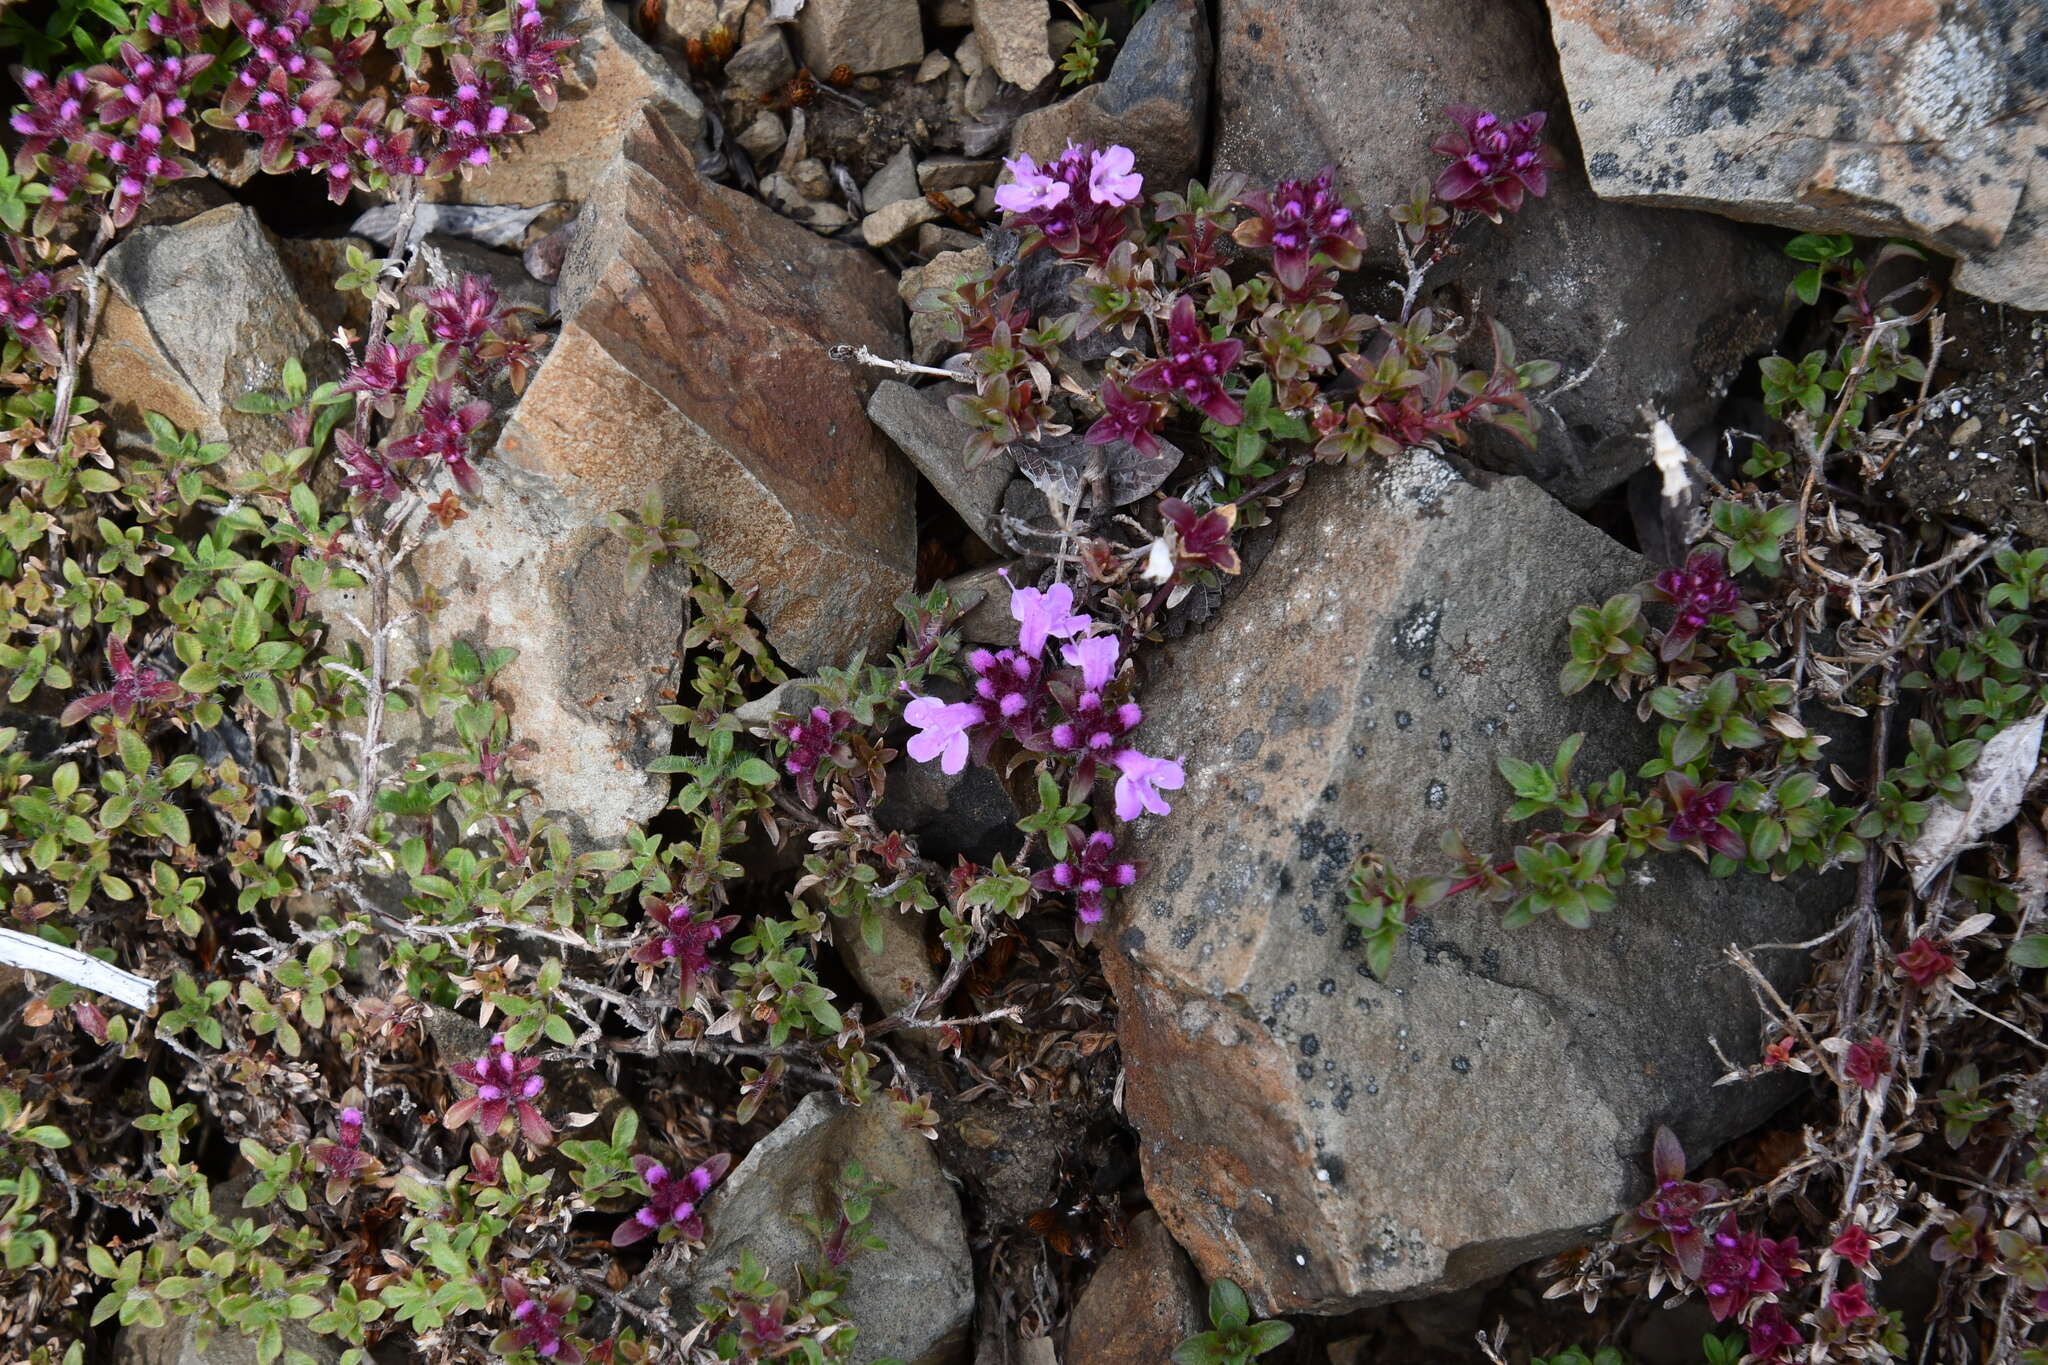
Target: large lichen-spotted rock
point(1916, 119)
point(1654, 306)
point(198, 314)
point(1329, 1139)
point(692, 362)
point(912, 1301)
point(612, 79)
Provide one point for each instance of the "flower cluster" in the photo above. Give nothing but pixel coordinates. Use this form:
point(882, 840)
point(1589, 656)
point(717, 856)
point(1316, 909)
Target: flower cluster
point(682, 938)
point(1700, 591)
point(117, 129)
point(459, 341)
point(672, 1199)
point(540, 1325)
point(1299, 220)
point(136, 687)
point(1076, 201)
point(344, 1161)
point(1494, 163)
point(816, 739)
point(25, 297)
point(1194, 367)
point(506, 1085)
point(1078, 715)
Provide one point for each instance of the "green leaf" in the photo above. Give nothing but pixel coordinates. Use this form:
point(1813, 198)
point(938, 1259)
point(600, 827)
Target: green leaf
point(1228, 1308)
point(2031, 951)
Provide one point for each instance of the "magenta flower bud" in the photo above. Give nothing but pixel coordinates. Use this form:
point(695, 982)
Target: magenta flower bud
point(1129, 715)
point(532, 1087)
point(656, 1175)
point(1125, 874)
point(1011, 705)
point(648, 1218)
point(351, 1118)
point(1063, 735)
point(1063, 874)
point(982, 660)
point(526, 1310)
point(490, 1092)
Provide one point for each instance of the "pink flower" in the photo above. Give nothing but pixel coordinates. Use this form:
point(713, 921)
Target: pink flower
point(1742, 1267)
point(684, 939)
point(1851, 1304)
point(1854, 1246)
point(1868, 1063)
point(1128, 419)
point(505, 1085)
point(1112, 179)
point(943, 728)
point(1030, 188)
point(672, 1200)
point(1097, 657)
point(1925, 962)
point(134, 689)
point(1045, 615)
point(539, 1324)
point(1139, 779)
point(1089, 874)
point(1493, 163)
point(1770, 1335)
point(1193, 367)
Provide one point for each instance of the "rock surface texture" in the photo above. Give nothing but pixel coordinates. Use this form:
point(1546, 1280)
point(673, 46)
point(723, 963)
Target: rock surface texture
point(1915, 119)
point(1155, 99)
point(1143, 1301)
point(1670, 303)
point(614, 77)
point(692, 361)
point(1331, 1140)
point(197, 314)
point(912, 1301)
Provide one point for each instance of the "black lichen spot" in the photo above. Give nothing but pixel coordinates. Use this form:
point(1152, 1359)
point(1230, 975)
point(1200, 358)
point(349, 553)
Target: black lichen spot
point(1443, 740)
point(1333, 1166)
point(1305, 1071)
point(1604, 166)
point(1342, 1103)
point(1415, 633)
point(1183, 934)
point(1402, 720)
point(1310, 1045)
point(1461, 1065)
point(1328, 793)
point(1246, 746)
point(1328, 985)
point(1436, 796)
point(1131, 941)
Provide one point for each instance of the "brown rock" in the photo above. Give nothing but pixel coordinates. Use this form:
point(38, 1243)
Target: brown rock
point(1142, 1302)
point(761, 68)
point(1014, 39)
point(1329, 1139)
point(613, 76)
point(692, 361)
point(890, 222)
point(862, 35)
point(1669, 304)
point(198, 314)
point(1920, 120)
point(1155, 100)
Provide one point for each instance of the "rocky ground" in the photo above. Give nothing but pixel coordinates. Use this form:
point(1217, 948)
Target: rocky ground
point(731, 194)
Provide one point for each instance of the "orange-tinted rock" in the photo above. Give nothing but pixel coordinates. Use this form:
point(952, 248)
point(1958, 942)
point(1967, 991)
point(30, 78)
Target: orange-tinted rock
point(1329, 1139)
point(1143, 1301)
point(1913, 118)
point(693, 362)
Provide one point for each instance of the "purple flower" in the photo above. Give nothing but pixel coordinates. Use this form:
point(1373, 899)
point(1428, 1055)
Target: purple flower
point(1771, 1335)
point(540, 1324)
point(1089, 875)
point(1697, 812)
point(1299, 220)
point(505, 1083)
point(470, 122)
point(1493, 163)
point(57, 111)
point(1700, 591)
point(1045, 615)
point(345, 1162)
point(683, 939)
point(530, 57)
point(444, 434)
point(1125, 418)
point(1097, 657)
point(672, 1200)
point(464, 315)
point(368, 471)
point(813, 741)
point(1139, 779)
point(25, 297)
point(382, 374)
point(1075, 201)
point(1742, 1267)
point(126, 88)
point(1030, 189)
point(135, 687)
point(1868, 1063)
point(943, 728)
point(1673, 1217)
point(1112, 179)
point(1193, 367)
